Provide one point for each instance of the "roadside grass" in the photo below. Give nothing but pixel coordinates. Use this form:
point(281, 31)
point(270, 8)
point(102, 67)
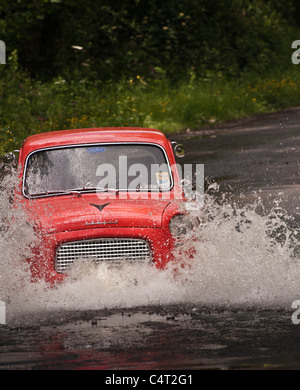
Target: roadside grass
point(28, 107)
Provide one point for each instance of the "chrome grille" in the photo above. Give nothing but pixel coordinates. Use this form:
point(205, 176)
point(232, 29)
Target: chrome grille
point(112, 250)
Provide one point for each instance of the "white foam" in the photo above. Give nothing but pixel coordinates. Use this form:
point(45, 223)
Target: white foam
point(236, 263)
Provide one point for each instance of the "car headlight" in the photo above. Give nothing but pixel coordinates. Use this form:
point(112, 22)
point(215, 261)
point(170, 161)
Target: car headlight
point(180, 224)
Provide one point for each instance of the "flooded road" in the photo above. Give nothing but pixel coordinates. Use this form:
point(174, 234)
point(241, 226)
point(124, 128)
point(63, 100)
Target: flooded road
point(180, 338)
point(231, 310)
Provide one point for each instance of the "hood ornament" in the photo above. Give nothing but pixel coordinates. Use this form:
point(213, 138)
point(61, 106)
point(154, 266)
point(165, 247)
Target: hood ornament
point(100, 207)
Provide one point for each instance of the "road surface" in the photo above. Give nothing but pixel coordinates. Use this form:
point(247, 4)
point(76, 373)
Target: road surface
point(233, 312)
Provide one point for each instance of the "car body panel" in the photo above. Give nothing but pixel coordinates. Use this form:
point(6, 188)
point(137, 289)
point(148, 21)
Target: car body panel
point(62, 218)
point(55, 214)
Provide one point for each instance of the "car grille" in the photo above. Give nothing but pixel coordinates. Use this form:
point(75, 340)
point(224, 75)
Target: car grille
point(111, 250)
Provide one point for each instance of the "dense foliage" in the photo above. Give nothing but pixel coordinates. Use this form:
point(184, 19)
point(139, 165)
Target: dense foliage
point(171, 64)
point(107, 39)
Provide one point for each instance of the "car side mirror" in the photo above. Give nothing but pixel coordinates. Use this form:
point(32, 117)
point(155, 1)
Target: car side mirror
point(179, 149)
point(10, 158)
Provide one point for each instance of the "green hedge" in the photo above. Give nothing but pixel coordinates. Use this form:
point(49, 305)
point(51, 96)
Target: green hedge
point(110, 39)
point(169, 64)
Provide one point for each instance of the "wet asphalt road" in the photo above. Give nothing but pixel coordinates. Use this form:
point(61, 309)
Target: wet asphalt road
point(259, 154)
point(156, 338)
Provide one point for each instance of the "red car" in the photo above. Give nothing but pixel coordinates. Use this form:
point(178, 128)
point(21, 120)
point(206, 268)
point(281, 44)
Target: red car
point(105, 194)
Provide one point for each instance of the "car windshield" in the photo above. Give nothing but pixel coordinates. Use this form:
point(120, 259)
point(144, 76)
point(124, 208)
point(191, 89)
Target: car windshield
point(100, 167)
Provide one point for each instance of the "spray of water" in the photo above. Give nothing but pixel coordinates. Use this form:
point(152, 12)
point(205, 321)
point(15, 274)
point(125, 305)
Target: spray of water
point(17, 238)
point(242, 258)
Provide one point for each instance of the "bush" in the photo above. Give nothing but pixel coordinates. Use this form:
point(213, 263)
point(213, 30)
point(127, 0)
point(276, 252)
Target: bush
point(123, 38)
point(29, 107)
point(170, 65)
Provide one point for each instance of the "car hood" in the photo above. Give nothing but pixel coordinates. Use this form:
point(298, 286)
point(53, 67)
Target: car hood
point(67, 213)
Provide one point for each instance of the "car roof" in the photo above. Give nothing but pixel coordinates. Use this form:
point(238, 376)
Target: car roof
point(92, 135)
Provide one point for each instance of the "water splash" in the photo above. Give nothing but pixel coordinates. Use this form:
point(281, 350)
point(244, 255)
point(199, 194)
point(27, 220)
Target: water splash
point(17, 238)
point(242, 258)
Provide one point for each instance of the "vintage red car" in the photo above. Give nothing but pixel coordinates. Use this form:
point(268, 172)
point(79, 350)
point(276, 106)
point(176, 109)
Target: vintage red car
point(105, 194)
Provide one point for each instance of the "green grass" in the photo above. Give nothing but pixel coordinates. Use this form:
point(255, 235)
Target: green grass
point(28, 107)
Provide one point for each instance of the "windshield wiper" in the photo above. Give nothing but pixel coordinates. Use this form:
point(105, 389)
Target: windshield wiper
point(99, 189)
point(80, 190)
point(92, 189)
point(55, 192)
point(73, 191)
